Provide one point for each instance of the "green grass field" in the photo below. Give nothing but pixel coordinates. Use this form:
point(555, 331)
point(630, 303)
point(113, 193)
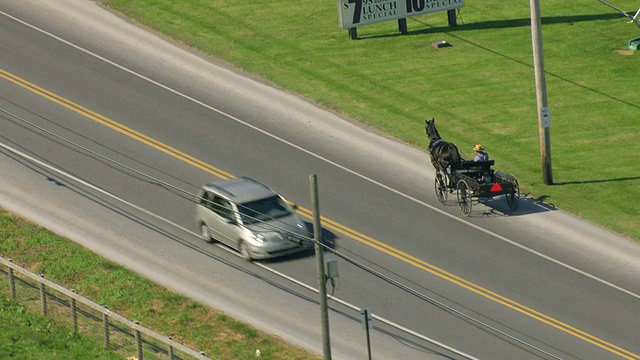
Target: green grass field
point(480, 90)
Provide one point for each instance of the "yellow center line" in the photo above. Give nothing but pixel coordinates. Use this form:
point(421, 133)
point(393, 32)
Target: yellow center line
point(115, 125)
point(328, 223)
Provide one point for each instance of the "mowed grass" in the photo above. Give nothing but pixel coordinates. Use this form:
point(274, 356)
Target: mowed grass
point(480, 90)
point(201, 328)
point(26, 335)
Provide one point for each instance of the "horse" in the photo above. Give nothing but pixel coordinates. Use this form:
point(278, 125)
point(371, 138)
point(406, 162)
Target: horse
point(443, 153)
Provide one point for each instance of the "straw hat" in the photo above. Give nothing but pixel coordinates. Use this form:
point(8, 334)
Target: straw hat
point(478, 147)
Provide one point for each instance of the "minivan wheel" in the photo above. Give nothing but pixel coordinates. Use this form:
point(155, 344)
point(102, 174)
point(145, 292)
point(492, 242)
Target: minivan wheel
point(204, 233)
point(244, 253)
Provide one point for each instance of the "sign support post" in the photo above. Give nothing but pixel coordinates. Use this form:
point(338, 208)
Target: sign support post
point(354, 13)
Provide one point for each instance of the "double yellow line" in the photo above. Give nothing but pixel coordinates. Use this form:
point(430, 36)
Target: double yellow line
point(115, 125)
point(477, 289)
point(328, 223)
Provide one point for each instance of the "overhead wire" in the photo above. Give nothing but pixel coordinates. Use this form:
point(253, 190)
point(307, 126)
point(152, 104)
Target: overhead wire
point(193, 197)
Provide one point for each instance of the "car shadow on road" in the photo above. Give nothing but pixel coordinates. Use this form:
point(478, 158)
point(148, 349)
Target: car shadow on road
point(329, 240)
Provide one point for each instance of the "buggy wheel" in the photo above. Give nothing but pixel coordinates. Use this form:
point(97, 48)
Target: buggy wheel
point(441, 187)
point(464, 197)
point(513, 198)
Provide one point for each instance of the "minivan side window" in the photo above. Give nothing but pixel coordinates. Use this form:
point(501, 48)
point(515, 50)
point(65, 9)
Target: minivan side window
point(206, 200)
point(223, 208)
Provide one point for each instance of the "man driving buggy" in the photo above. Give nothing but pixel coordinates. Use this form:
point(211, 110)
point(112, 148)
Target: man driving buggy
point(480, 154)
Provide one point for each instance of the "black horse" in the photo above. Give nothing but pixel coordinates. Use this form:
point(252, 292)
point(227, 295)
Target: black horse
point(443, 153)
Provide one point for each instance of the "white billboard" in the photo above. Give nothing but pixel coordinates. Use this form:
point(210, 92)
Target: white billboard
point(354, 13)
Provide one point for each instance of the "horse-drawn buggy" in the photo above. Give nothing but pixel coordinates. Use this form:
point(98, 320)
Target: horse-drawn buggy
point(469, 179)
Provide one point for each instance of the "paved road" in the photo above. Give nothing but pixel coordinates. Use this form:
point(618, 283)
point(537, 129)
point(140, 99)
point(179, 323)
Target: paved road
point(526, 285)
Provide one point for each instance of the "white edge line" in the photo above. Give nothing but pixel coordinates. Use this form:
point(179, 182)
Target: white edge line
point(502, 238)
point(282, 275)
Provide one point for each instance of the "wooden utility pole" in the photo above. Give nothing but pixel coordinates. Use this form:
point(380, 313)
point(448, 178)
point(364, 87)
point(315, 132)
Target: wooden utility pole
point(544, 122)
point(322, 278)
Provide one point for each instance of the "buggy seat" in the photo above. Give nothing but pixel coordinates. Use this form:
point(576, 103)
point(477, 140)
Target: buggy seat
point(474, 169)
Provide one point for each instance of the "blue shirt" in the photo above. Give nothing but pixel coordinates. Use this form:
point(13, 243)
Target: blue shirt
point(481, 156)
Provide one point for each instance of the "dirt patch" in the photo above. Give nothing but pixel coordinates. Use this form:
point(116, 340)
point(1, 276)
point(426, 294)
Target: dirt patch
point(624, 52)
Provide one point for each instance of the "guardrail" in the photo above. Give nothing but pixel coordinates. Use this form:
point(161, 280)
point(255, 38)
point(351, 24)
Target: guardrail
point(118, 332)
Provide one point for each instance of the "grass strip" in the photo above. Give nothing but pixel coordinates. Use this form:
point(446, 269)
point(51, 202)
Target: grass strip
point(25, 335)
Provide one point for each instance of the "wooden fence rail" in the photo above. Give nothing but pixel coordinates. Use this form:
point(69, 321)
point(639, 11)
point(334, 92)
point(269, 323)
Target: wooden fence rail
point(108, 316)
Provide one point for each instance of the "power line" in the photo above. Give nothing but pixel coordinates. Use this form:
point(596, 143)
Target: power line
point(192, 197)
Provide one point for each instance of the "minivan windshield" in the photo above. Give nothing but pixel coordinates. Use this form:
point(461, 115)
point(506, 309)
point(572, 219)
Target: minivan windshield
point(263, 210)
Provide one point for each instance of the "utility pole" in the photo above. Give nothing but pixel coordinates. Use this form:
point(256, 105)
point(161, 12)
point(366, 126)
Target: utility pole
point(322, 279)
point(544, 122)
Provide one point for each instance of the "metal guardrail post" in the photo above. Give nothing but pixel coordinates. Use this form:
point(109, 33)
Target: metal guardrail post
point(12, 282)
point(138, 338)
point(170, 350)
point(43, 297)
point(74, 313)
point(105, 324)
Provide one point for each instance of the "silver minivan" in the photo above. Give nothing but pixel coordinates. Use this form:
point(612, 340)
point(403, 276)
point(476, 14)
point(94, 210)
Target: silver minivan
point(250, 218)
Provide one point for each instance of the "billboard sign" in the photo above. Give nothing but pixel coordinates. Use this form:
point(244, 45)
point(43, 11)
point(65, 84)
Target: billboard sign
point(354, 13)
